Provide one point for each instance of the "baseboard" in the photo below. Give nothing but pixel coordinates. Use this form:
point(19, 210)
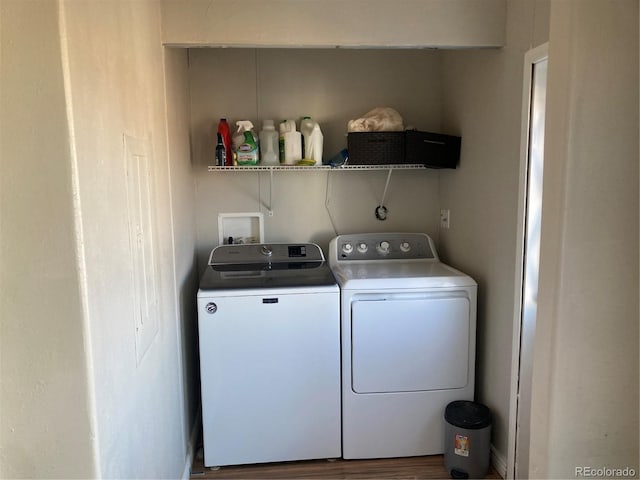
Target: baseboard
point(499, 462)
point(192, 446)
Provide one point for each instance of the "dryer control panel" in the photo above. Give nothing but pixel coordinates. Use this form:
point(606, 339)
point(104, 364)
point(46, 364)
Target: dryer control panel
point(383, 246)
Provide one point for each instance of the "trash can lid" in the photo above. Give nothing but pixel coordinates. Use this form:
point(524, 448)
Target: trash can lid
point(467, 414)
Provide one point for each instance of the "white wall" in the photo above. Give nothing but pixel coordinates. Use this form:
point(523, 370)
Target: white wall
point(332, 86)
point(330, 23)
point(46, 428)
point(482, 102)
point(116, 83)
point(585, 385)
point(116, 89)
point(183, 207)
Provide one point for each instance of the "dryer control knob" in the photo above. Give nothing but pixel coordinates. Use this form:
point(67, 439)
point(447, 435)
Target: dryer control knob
point(347, 248)
point(362, 247)
point(405, 247)
point(383, 247)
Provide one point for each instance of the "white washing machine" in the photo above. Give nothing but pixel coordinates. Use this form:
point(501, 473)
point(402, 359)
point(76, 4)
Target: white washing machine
point(269, 327)
point(408, 343)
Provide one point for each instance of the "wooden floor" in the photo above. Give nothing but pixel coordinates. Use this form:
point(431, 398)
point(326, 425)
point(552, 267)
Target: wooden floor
point(415, 468)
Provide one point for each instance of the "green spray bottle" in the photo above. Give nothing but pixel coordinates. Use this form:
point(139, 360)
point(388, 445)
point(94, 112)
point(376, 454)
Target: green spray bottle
point(248, 151)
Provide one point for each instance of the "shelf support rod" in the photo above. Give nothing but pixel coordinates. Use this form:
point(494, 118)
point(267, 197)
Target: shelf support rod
point(270, 206)
point(386, 185)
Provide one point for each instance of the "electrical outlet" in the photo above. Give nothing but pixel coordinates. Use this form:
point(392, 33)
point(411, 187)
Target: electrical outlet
point(445, 218)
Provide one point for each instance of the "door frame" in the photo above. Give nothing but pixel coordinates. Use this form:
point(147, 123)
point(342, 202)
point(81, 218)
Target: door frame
point(531, 58)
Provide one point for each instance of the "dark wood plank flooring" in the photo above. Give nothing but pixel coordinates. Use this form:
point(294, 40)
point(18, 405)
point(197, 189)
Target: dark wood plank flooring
point(415, 468)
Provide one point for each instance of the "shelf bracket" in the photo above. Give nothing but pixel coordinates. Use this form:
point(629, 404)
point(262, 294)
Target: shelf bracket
point(270, 211)
point(270, 204)
point(267, 205)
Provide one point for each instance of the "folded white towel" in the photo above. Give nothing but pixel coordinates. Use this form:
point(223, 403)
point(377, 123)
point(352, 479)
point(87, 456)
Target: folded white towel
point(380, 119)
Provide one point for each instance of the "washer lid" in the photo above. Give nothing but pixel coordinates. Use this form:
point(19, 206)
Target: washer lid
point(254, 266)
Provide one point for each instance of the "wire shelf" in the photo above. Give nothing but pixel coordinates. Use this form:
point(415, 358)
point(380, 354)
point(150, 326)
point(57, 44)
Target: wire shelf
point(296, 168)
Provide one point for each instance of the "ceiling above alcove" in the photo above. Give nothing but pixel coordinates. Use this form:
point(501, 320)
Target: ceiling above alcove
point(334, 23)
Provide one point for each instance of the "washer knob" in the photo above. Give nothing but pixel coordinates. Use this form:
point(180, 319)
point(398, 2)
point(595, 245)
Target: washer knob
point(347, 248)
point(362, 247)
point(266, 250)
point(383, 247)
point(405, 247)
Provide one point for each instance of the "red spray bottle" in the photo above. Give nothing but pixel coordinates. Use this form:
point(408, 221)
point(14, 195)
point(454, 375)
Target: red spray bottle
point(223, 130)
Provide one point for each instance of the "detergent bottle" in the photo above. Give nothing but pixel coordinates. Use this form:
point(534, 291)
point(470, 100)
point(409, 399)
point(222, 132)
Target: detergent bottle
point(290, 143)
point(269, 144)
point(312, 140)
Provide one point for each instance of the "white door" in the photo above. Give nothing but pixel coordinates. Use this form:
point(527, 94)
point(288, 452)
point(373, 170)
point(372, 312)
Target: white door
point(532, 163)
point(410, 344)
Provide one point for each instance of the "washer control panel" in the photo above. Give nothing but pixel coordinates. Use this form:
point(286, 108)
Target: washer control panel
point(383, 246)
point(259, 253)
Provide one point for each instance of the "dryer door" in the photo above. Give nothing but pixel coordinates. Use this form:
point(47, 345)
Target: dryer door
point(404, 344)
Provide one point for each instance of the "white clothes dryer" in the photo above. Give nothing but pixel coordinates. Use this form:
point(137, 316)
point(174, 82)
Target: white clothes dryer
point(408, 325)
